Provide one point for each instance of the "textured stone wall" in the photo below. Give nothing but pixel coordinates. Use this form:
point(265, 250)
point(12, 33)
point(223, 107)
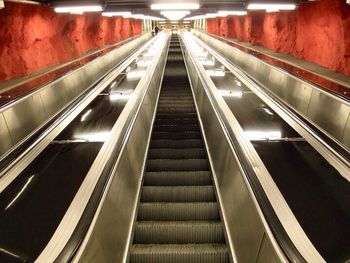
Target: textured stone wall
point(33, 37)
point(317, 31)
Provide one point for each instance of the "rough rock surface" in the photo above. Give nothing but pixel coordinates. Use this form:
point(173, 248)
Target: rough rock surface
point(33, 37)
point(317, 31)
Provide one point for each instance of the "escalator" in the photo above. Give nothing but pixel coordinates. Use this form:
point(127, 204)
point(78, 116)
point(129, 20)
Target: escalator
point(178, 216)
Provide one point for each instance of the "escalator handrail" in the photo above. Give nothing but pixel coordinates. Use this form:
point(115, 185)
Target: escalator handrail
point(80, 231)
point(71, 69)
point(14, 155)
point(279, 233)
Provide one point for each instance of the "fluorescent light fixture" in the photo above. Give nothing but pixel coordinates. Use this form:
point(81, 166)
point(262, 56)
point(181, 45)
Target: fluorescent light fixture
point(215, 73)
point(138, 16)
point(94, 136)
point(120, 96)
point(175, 15)
point(231, 93)
point(78, 9)
point(195, 17)
point(162, 22)
point(110, 14)
point(262, 135)
point(143, 63)
point(207, 62)
point(137, 74)
point(154, 18)
point(175, 6)
point(201, 54)
point(211, 15)
point(259, 6)
point(233, 13)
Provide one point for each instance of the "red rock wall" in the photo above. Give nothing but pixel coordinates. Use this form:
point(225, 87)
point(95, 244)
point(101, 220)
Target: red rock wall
point(33, 37)
point(317, 31)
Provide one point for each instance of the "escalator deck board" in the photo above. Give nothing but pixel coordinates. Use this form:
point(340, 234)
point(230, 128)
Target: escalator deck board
point(178, 216)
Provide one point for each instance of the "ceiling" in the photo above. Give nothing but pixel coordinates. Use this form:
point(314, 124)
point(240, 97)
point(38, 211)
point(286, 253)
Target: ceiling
point(143, 6)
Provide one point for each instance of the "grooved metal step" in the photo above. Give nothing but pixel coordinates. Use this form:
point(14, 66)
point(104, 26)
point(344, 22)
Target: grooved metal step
point(202, 193)
point(178, 216)
point(177, 121)
point(178, 211)
point(177, 135)
point(178, 232)
point(177, 144)
point(170, 127)
point(188, 253)
point(168, 153)
point(176, 115)
point(177, 178)
point(177, 165)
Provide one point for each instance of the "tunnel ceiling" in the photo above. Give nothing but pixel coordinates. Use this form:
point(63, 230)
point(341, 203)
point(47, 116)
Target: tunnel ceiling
point(142, 6)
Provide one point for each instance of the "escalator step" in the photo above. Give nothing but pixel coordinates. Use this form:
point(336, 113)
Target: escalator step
point(172, 115)
point(177, 165)
point(177, 144)
point(177, 121)
point(178, 232)
point(177, 135)
point(168, 153)
point(177, 178)
point(174, 253)
point(202, 193)
point(178, 211)
point(170, 127)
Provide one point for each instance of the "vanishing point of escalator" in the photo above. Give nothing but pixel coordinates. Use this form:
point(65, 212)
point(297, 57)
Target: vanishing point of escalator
point(178, 218)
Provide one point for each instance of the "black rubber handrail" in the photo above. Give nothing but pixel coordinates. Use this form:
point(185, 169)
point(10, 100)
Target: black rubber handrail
point(282, 238)
point(71, 66)
point(80, 231)
point(13, 154)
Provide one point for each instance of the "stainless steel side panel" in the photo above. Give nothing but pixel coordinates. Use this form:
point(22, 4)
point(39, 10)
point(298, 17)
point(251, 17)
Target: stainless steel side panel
point(110, 233)
point(328, 113)
point(324, 110)
point(26, 116)
point(245, 228)
point(31, 112)
point(6, 141)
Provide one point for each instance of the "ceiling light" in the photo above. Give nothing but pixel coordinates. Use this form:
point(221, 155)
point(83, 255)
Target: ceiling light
point(258, 6)
point(137, 74)
point(231, 93)
point(143, 63)
point(175, 6)
point(211, 15)
point(195, 17)
point(110, 14)
point(271, 10)
point(262, 135)
point(154, 18)
point(234, 13)
point(138, 16)
point(215, 73)
point(125, 95)
point(207, 62)
point(175, 15)
point(78, 9)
